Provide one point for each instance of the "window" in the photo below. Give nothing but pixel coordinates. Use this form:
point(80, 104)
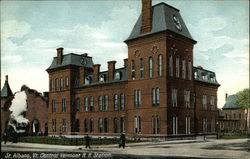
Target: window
point(151, 67)
point(106, 103)
point(100, 125)
point(160, 65)
point(142, 68)
point(239, 116)
point(52, 87)
point(118, 76)
point(212, 102)
point(64, 125)
point(187, 99)
point(213, 125)
point(67, 81)
point(91, 121)
point(54, 105)
point(175, 125)
point(204, 102)
point(122, 101)
point(177, 71)
point(137, 100)
point(106, 125)
point(116, 104)
point(116, 125)
point(102, 78)
point(76, 82)
point(53, 125)
point(170, 62)
point(86, 125)
point(190, 72)
point(57, 85)
point(100, 103)
point(78, 105)
point(91, 103)
point(156, 96)
point(88, 80)
point(133, 69)
point(86, 104)
point(61, 84)
point(77, 125)
point(204, 125)
point(64, 108)
point(187, 120)
point(174, 97)
point(156, 124)
point(195, 75)
point(183, 69)
point(137, 124)
point(122, 122)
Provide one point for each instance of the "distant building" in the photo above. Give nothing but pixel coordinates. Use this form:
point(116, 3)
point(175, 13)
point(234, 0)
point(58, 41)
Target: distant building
point(37, 109)
point(157, 93)
point(234, 118)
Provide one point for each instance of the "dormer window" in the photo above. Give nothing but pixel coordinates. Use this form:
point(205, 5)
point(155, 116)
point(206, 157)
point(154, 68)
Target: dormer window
point(102, 78)
point(195, 75)
point(118, 76)
point(88, 80)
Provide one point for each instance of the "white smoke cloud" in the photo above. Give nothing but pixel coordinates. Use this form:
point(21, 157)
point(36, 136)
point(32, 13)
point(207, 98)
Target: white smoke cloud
point(18, 106)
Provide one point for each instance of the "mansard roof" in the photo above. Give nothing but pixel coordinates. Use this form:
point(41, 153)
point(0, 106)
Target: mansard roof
point(230, 103)
point(162, 20)
point(72, 59)
point(206, 76)
point(6, 91)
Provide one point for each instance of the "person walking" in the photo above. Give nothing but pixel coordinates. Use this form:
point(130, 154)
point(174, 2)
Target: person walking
point(87, 141)
point(122, 141)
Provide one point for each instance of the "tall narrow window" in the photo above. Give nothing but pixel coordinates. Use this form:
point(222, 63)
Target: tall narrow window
point(156, 96)
point(170, 62)
point(67, 81)
point(52, 85)
point(151, 67)
point(187, 99)
point(64, 108)
point(174, 97)
point(91, 125)
point(141, 68)
point(212, 125)
point(116, 125)
point(64, 125)
point(133, 69)
point(57, 85)
point(137, 99)
point(106, 125)
point(100, 103)
point(116, 106)
point(61, 84)
point(177, 65)
point(91, 103)
point(204, 125)
point(78, 105)
point(54, 105)
point(137, 124)
point(204, 102)
point(156, 124)
point(86, 125)
point(53, 125)
point(183, 69)
point(77, 125)
point(122, 122)
point(190, 70)
point(100, 125)
point(212, 102)
point(187, 120)
point(153, 96)
point(106, 104)
point(86, 104)
point(160, 65)
point(175, 125)
point(122, 101)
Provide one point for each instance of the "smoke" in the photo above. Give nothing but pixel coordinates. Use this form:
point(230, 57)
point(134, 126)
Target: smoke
point(18, 107)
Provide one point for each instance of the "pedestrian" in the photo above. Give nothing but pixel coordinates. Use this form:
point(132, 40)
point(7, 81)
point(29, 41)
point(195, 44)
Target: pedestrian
point(87, 141)
point(122, 140)
point(5, 137)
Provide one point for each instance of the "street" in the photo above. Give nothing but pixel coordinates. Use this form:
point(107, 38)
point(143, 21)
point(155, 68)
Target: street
point(237, 149)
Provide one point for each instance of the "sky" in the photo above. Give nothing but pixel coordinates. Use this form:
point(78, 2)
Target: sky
point(32, 30)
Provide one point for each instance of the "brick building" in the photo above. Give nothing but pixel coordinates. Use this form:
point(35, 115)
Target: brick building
point(157, 93)
point(37, 109)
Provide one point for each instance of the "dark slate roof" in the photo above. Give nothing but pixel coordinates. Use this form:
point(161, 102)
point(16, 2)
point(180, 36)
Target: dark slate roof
point(230, 103)
point(206, 76)
point(162, 21)
point(71, 59)
point(123, 71)
point(6, 91)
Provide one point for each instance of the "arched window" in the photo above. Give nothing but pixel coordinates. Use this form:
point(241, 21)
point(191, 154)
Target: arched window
point(88, 80)
point(160, 65)
point(102, 78)
point(141, 68)
point(151, 67)
point(133, 69)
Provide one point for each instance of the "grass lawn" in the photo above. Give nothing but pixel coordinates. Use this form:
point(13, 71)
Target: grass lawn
point(234, 137)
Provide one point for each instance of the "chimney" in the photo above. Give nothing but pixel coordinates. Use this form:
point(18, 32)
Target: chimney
point(6, 78)
point(96, 72)
point(85, 54)
point(226, 96)
point(125, 62)
point(59, 55)
point(146, 16)
point(111, 70)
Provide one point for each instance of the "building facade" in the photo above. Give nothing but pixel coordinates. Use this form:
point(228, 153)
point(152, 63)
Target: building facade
point(155, 94)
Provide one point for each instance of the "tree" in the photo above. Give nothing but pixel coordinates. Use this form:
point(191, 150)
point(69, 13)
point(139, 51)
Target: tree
point(243, 98)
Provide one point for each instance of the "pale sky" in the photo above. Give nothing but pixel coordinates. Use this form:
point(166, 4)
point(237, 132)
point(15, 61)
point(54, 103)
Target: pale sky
point(32, 30)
